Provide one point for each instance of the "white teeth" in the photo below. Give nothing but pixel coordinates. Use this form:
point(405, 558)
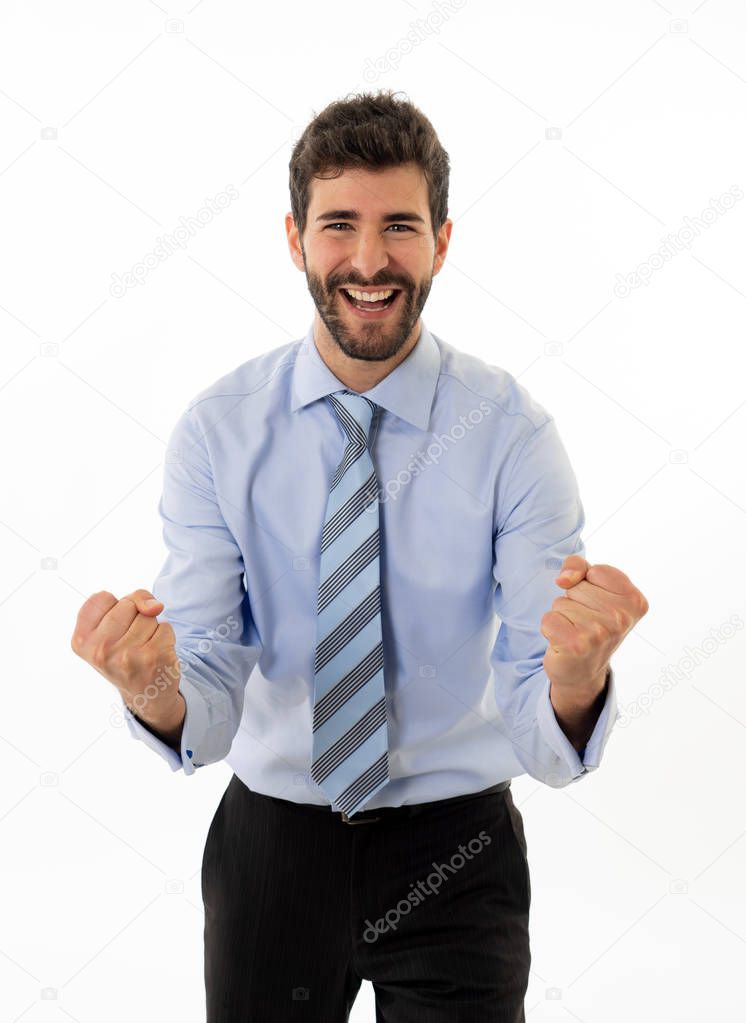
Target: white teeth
point(375, 296)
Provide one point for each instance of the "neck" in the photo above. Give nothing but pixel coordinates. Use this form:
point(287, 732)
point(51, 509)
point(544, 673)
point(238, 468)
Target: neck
point(358, 374)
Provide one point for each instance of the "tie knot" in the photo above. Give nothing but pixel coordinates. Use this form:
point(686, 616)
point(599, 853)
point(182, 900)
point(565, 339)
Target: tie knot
point(355, 413)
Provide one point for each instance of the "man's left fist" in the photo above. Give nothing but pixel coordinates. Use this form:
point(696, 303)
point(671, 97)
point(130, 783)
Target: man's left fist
point(586, 625)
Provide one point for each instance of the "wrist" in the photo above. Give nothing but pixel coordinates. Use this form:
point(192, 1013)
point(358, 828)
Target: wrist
point(164, 713)
point(581, 693)
point(577, 708)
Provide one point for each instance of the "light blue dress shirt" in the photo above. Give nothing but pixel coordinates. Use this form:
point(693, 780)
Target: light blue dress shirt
point(479, 507)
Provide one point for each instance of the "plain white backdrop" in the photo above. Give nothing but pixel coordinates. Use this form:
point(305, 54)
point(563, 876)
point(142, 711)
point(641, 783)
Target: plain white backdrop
point(598, 174)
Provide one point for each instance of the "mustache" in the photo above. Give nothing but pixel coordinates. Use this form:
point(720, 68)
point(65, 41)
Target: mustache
point(375, 284)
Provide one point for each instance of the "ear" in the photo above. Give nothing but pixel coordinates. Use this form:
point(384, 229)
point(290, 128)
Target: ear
point(296, 253)
point(441, 246)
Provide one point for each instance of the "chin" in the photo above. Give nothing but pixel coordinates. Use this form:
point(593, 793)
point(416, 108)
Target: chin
point(368, 347)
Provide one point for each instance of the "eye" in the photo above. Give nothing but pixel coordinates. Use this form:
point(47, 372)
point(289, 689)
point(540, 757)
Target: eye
point(343, 224)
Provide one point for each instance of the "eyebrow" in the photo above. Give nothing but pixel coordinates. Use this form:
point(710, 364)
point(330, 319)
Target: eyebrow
point(355, 215)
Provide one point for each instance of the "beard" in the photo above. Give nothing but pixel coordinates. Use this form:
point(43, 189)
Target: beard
point(374, 340)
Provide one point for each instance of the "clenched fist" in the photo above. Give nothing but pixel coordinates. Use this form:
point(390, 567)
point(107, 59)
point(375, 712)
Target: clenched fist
point(124, 642)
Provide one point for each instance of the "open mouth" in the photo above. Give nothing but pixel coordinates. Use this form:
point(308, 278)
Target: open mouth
point(371, 309)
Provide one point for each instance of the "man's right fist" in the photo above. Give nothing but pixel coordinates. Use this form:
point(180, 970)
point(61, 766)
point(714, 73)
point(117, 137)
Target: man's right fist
point(124, 642)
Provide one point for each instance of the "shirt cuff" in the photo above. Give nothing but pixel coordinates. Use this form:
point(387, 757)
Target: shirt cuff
point(570, 767)
point(193, 729)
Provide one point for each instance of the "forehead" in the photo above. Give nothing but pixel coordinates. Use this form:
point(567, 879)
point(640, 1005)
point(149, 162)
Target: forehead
point(373, 192)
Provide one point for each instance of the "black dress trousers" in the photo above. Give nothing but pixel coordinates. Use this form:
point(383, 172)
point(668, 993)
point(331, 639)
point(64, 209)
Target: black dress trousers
point(430, 903)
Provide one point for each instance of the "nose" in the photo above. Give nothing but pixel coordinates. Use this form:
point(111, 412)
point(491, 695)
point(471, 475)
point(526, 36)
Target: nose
point(369, 255)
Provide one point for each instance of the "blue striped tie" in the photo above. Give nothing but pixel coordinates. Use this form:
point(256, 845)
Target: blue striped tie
point(350, 736)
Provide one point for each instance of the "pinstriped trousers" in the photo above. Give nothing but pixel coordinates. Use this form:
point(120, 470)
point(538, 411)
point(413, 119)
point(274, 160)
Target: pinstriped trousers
point(430, 904)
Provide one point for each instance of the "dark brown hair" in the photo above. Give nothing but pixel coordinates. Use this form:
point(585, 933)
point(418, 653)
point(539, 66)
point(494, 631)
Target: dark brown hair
point(369, 130)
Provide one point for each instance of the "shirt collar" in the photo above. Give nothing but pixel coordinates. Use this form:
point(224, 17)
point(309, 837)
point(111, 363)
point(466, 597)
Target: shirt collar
point(408, 390)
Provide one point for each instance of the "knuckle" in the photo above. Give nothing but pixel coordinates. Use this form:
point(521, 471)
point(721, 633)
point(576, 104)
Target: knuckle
point(582, 646)
point(626, 620)
point(166, 634)
point(600, 631)
point(131, 660)
point(126, 660)
point(99, 656)
point(621, 619)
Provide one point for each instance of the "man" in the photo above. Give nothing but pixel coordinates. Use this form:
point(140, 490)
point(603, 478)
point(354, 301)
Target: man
point(347, 518)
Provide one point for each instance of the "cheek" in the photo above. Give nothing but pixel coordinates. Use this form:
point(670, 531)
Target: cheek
point(325, 248)
point(425, 249)
point(324, 260)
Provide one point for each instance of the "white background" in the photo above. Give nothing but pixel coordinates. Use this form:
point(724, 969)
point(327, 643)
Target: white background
point(581, 134)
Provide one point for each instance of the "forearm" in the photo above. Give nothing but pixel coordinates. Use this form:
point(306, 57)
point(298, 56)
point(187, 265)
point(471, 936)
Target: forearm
point(577, 709)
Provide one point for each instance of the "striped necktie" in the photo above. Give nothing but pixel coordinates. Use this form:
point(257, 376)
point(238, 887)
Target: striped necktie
point(350, 737)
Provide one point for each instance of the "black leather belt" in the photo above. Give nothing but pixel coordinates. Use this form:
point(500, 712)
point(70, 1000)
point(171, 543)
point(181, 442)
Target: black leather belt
point(410, 809)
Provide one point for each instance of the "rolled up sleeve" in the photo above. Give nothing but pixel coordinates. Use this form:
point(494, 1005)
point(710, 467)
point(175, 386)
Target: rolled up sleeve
point(202, 586)
point(539, 522)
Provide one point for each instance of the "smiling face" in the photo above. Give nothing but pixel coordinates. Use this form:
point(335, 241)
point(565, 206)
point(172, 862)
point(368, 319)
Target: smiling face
point(369, 231)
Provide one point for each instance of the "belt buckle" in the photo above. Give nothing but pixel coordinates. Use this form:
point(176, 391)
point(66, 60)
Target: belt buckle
point(349, 820)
